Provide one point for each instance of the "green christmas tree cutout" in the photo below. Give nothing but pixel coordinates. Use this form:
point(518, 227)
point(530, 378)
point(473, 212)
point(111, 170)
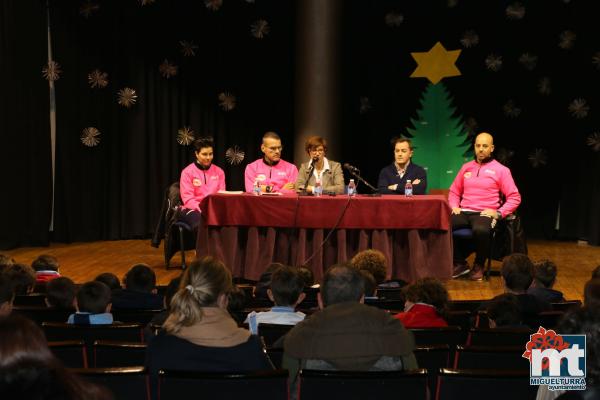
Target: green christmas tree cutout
point(439, 138)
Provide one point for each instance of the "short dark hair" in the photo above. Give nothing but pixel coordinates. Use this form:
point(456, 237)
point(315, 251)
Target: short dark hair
point(140, 278)
point(429, 291)
point(517, 271)
point(22, 278)
point(504, 310)
point(271, 135)
point(596, 272)
point(545, 273)
point(45, 262)
point(110, 280)
point(203, 142)
point(373, 261)
point(314, 142)
point(60, 293)
point(307, 276)
point(368, 282)
point(401, 139)
point(7, 293)
point(286, 285)
point(591, 293)
point(93, 297)
point(342, 283)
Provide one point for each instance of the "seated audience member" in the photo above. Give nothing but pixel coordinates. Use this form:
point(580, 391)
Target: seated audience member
point(110, 280)
point(22, 277)
point(369, 283)
point(591, 293)
point(373, 261)
point(92, 305)
point(236, 304)
point(517, 275)
point(199, 334)
point(307, 276)
point(264, 282)
point(7, 295)
point(504, 311)
point(346, 334)
point(140, 290)
point(596, 273)
point(286, 292)
point(161, 317)
point(60, 293)
point(46, 268)
point(5, 262)
point(426, 304)
point(29, 370)
point(543, 280)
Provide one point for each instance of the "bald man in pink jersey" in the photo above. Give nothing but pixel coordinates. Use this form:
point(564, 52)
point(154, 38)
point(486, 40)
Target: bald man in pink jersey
point(476, 202)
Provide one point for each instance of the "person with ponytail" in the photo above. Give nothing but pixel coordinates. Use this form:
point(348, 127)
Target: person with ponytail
point(199, 334)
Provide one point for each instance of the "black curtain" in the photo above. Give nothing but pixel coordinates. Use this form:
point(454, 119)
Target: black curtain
point(115, 190)
point(25, 163)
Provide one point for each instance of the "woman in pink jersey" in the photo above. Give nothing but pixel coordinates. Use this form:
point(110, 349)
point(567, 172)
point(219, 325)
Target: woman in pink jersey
point(198, 180)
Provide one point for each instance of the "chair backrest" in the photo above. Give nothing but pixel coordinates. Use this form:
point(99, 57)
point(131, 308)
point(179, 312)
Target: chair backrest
point(566, 305)
point(71, 352)
point(348, 385)
point(142, 316)
point(468, 305)
point(397, 305)
point(450, 335)
point(499, 336)
point(498, 357)
point(487, 384)
point(548, 319)
point(40, 314)
point(33, 299)
point(272, 332)
point(257, 385)
point(111, 353)
point(390, 294)
point(129, 383)
point(462, 318)
point(432, 358)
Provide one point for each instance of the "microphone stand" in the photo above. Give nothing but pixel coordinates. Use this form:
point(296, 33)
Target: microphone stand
point(355, 173)
point(303, 192)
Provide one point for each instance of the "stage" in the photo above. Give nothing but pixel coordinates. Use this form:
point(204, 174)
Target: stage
point(83, 261)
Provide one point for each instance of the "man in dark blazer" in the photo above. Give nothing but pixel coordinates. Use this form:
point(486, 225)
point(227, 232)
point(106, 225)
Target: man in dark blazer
point(392, 178)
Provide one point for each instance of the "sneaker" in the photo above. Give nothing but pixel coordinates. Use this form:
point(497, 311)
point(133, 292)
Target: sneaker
point(459, 270)
point(476, 273)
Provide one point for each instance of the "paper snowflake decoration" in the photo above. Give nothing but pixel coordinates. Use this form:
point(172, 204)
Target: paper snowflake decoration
point(185, 136)
point(260, 28)
point(493, 62)
point(90, 136)
point(452, 3)
point(167, 69)
point(566, 40)
point(528, 60)
point(579, 108)
point(88, 8)
point(98, 79)
point(394, 19)
point(504, 156)
point(544, 86)
point(52, 71)
point(188, 48)
point(146, 2)
point(538, 158)
point(472, 126)
point(127, 97)
point(234, 155)
point(511, 110)
point(213, 5)
point(365, 105)
point(227, 101)
point(594, 141)
point(515, 11)
point(469, 39)
point(596, 59)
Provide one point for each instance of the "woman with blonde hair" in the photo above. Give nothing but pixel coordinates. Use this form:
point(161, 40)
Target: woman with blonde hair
point(199, 334)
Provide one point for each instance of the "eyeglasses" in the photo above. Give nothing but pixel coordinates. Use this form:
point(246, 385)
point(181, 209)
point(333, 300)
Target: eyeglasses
point(318, 150)
point(275, 148)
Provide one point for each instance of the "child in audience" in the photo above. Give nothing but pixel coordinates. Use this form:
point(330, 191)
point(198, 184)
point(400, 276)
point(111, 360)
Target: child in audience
point(160, 318)
point(307, 276)
point(504, 311)
point(543, 280)
point(22, 278)
point(110, 280)
point(237, 303)
point(7, 295)
point(286, 292)
point(46, 268)
point(60, 294)
point(426, 304)
point(370, 284)
point(93, 305)
point(373, 261)
point(264, 282)
point(140, 290)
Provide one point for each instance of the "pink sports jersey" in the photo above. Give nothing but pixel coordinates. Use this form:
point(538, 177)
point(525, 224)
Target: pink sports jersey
point(195, 184)
point(276, 176)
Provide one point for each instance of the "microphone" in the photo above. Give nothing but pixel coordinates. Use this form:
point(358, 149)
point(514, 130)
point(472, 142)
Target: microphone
point(352, 169)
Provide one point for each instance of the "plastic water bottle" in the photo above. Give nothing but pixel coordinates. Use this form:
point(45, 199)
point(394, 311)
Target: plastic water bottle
point(256, 188)
point(351, 188)
point(318, 189)
point(408, 190)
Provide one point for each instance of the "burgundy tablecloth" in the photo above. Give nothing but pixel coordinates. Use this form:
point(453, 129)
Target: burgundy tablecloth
point(248, 232)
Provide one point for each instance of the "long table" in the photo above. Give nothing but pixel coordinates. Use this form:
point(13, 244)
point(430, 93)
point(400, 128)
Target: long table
point(249, 232)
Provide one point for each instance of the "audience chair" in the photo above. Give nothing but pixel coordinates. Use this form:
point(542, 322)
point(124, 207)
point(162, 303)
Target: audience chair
point(499, 336)
point(490, 384)
point(450, 335)
point(276, 356)
point(395, 305)
point(549, 319)
point(41, 314)
point(390, 294)
point(32, 300)
point(272, 332)
point(71, 352)
point(257, 385)
point(432, 358)
point(362, 385)
point(465, 305)
point(566, 305)
point(141, 316)
point(129, 383)
point(112, 353)
point(462, 318)
point(497, 357)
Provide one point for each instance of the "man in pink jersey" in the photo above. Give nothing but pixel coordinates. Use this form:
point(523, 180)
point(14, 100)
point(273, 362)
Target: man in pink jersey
point(271, 172)
point(476, 201)
point(198, 180)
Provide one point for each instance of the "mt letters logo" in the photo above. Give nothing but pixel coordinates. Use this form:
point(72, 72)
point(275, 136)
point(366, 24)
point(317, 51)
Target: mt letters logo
point(556, 360)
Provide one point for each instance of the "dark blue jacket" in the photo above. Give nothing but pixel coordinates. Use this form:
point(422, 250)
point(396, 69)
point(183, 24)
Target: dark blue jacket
point(389, 176)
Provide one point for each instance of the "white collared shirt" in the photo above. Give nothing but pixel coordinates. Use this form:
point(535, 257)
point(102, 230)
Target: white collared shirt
point(318, 175)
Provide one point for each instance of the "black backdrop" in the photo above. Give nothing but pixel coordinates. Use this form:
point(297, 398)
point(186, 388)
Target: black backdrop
point(114, 190)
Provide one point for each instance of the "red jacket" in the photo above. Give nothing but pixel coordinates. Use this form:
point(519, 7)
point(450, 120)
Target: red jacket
point(421, 316)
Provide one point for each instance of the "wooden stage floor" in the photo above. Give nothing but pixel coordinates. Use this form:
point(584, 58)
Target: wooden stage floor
point(83, 261)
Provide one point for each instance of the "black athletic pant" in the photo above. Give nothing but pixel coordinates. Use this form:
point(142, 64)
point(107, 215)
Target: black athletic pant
point(481, 227)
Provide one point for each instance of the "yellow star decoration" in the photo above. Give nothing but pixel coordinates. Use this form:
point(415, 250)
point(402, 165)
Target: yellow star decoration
point(436, 64)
